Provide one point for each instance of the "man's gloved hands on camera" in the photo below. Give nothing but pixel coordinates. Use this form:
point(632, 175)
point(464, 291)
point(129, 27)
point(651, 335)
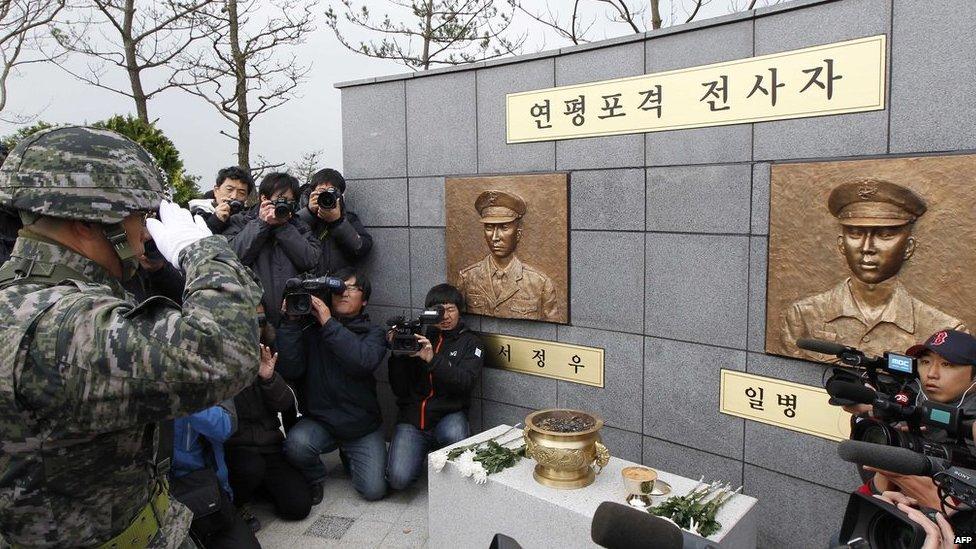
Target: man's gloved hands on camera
point(938, 534)
point(175, 230)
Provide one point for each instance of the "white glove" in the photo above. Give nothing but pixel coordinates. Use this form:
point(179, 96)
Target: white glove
point(176, 229)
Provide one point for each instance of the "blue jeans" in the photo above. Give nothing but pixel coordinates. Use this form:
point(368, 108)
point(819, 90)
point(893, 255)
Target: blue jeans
point(410, 445)
point(308, 439)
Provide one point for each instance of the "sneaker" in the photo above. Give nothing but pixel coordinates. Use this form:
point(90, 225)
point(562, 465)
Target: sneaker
point(317, 493)
point(252, 521)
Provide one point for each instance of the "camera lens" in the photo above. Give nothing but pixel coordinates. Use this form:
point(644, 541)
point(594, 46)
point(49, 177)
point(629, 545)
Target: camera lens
point(875, 433)
point(888, 531)
point(328, 199)
point(298, 304)
point(282, 210)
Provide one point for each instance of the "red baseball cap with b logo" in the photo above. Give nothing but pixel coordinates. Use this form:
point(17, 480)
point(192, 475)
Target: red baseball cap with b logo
point(955, 346)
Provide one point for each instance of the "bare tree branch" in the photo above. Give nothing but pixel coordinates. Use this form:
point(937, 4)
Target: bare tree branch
point(431, 32)
point(241, 72)
point(22, 26)
point(698, 5)
point(145, 36)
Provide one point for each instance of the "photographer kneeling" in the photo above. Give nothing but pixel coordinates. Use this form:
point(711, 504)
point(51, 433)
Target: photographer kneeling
point(331, 357)
point(433, 389)
point(947, 375)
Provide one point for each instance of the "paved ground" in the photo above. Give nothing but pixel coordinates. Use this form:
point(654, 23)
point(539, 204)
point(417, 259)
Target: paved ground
point(343, 519)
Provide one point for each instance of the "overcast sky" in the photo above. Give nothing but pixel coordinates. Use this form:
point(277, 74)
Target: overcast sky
point(309, 122)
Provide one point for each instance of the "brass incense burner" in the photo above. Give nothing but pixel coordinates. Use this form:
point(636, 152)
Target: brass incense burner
point(565, 445)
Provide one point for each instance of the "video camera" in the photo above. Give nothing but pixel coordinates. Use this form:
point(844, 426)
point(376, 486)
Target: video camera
point(405, 331)
point(871, 522)
point(889, 373)
point(890, 410)
point(299, 292)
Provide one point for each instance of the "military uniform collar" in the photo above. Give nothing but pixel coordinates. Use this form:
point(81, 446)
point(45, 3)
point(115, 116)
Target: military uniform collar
point(899, 310)
point(514, 268)
point(32, 246)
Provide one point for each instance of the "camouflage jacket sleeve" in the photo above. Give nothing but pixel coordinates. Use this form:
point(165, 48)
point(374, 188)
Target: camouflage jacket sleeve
point(120, 366)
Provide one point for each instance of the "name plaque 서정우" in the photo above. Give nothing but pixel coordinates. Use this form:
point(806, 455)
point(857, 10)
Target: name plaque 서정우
point(843, 77)
point(536, 357)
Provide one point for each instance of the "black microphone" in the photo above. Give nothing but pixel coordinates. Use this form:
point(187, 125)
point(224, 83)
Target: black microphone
point(618, 526)
point(820, 346)
point(855, 392)
point(891, 458)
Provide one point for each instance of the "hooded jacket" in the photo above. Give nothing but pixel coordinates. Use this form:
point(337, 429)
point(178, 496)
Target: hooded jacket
point(334, 365)
point(205, 207)
point(276, 253)
point(427, 392)
point(189, 454)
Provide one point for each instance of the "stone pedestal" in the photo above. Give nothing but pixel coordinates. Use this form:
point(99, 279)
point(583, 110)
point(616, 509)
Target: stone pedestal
point(464, 514)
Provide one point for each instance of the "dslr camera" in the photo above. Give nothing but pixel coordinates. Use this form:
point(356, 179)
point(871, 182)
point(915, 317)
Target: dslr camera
point(299, 292)
point(236, 206)
point(283, 207)
point(405, 331)
point(328, 198)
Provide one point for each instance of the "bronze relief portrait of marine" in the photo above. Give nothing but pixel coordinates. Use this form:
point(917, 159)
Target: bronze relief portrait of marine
point(508, 244)
point(872, 254)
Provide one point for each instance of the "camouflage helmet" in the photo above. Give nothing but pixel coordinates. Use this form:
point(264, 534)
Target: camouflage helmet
point(80, 173)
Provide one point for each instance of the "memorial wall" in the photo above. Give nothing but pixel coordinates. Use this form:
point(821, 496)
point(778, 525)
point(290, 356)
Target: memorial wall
point(678, 232)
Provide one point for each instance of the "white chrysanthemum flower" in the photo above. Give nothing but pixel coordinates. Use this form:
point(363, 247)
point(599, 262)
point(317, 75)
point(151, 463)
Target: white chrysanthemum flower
point(466, 464)
point(480, 476)
point(438, 460)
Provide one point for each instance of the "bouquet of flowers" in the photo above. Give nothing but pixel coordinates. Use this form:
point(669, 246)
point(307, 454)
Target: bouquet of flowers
point(696, 511)
point(480, 459)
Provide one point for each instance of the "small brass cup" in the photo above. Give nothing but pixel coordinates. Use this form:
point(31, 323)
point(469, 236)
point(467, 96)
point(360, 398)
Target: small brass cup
point(639, 484)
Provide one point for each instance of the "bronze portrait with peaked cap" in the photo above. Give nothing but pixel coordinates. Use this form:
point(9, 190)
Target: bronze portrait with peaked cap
point(872, 254)
point(507, 245)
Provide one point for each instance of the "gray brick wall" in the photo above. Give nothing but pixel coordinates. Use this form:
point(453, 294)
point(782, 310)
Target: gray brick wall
point(681, 224)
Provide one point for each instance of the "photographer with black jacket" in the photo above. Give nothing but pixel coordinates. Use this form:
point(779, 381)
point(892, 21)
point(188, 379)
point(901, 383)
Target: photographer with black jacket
point(433, 389)
point(332, 357)
point(270, 239)
point(227, 198)
point(343, 239)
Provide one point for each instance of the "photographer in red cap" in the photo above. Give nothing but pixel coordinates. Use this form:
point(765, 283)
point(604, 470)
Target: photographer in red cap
point(947, 375)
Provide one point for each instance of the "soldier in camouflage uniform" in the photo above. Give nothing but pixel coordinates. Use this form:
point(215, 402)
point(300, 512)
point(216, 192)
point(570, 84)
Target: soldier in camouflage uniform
point(85, 373)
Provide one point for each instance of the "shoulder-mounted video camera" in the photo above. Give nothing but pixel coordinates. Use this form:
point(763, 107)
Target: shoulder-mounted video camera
point(405, 331)
point(893, 402)
point(890, 373)
point(299, 292)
